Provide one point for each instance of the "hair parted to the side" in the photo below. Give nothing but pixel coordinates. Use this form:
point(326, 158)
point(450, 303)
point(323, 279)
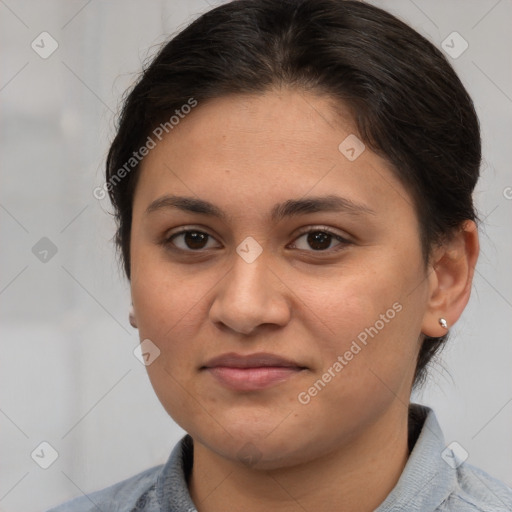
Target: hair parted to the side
point(408, 103)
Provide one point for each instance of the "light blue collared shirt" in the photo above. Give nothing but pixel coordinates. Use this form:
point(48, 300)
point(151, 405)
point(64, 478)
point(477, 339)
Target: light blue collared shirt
point(435, 478)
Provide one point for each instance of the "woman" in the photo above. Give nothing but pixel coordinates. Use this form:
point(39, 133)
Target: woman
point(293, 188)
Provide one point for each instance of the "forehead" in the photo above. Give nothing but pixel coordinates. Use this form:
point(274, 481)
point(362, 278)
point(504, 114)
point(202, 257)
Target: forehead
point(254, 150)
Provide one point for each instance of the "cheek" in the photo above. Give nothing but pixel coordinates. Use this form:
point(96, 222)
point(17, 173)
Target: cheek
point(371, 322)
point(347, 305)
point(167, 309)
point(164, 297)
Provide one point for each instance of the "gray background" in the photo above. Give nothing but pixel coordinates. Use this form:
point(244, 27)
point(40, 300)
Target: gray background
point(68, 374)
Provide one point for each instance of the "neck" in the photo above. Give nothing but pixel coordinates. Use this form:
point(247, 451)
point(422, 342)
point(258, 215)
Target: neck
point(356, 477)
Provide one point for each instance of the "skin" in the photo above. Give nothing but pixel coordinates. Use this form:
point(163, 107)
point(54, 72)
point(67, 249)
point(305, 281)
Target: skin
point(348, 445)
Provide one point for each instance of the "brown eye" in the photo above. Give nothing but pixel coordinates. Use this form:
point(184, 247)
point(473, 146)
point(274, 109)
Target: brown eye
point(190, 240)
point(320, 240)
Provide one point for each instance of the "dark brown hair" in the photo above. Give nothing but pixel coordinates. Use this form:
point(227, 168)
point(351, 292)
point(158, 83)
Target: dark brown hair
point(408, 103)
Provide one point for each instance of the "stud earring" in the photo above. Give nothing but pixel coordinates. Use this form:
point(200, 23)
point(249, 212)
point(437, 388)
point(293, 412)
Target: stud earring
point(131, 316)
point(442, 323)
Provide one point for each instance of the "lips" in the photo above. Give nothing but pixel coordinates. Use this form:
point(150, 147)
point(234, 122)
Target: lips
point(251, 372)
point(250, 361)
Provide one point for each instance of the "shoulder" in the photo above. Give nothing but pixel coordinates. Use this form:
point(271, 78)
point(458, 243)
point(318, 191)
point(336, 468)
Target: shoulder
point(136, 492)
point(477, 491)
point(160, 486)
point(437, 478)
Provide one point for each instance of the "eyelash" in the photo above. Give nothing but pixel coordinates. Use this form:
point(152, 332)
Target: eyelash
point(168, 241)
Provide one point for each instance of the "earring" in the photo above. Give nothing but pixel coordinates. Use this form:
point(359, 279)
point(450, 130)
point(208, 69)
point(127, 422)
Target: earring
point(131, 316)
point(442, 323)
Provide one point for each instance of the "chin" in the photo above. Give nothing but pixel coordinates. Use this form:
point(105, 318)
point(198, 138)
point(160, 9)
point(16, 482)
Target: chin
point(275, 454)
point(259, 445)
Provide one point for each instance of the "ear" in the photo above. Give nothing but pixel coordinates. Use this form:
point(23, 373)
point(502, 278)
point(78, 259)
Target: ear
point(131, 317)
point(450, 277)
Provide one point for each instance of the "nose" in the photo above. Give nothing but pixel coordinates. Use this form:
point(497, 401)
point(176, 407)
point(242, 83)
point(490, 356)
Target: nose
point(249, 296)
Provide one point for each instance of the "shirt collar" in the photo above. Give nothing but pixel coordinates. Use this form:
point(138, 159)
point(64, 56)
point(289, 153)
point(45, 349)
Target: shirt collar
point(426, 480)
point(424, 484)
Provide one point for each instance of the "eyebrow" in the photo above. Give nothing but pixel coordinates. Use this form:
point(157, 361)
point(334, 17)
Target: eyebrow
point(289, 208)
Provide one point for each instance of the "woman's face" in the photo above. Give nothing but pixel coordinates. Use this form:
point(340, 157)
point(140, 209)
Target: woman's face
point(276, 345)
